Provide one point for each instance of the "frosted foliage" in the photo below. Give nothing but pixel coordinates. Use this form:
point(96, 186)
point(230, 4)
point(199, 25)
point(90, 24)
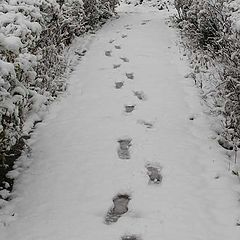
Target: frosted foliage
point(210, 30)
point(33, 36)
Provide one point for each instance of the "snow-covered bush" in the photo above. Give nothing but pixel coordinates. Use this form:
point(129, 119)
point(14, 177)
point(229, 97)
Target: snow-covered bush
point(33, 36)
point(203, 21)
point(98, 10)
point(211, 35)
point(159, 4)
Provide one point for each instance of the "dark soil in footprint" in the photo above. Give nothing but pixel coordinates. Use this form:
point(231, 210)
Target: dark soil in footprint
point(115, 66)
point(118, 85)
point(130, 75)
point(123, 149)
point(120, 207)
point(129, 108)
point(154, 173)
point(117, 47)
point(124, 59)
point(108, 53)
point(140, 95)
point(130, 237)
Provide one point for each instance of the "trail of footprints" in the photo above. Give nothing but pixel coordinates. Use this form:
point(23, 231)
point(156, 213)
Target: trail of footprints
point(153, 170)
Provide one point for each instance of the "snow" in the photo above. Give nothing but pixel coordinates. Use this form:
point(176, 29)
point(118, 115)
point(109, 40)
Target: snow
point(233, 6)
point(26, 61)
point(75, 172)
point(37, 112)
point(7, 105)
point(4, 193)
point(11, 43)
point(20, 90)
point(6, 68)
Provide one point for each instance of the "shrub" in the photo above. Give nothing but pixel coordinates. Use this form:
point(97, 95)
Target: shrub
point(33, 36)
point(212, 37)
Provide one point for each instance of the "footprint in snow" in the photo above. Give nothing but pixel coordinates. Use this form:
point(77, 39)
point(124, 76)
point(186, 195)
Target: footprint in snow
point(130, 237)
point(130, 75)
point(123, 149)
point(36, 123)
point(120, 207)
point(115, 66)
point(108, 53)
point(154, 173)
point(117, 47)
point(128, 27)
point(145, 123)
point(124, 35)
point(82, 53)
point(140, 95)
point(146, 20)
point(124, 59)
point(118, 85)
point(129, 108)
point(217, 176)
point(238, 223)
point(111, 41)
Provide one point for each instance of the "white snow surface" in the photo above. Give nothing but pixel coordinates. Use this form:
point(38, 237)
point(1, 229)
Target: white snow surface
point(75, 171)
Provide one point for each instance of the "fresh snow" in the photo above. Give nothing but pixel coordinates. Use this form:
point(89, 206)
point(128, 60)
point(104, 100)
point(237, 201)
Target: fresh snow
point(75, 171)
point(11, 43)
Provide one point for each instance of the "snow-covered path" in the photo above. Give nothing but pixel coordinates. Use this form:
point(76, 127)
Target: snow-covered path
point(77, 171)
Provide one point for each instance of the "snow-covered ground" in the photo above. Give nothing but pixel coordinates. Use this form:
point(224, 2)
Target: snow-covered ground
point(76, 170)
